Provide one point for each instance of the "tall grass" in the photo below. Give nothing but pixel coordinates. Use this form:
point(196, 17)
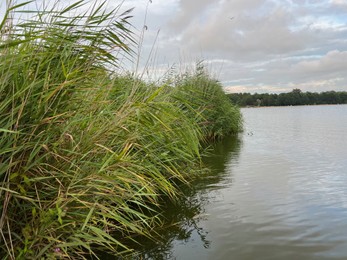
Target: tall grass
point(86, 153)
point(207, 103)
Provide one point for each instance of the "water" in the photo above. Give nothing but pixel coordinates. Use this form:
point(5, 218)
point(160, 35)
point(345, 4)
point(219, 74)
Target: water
point(278, 191)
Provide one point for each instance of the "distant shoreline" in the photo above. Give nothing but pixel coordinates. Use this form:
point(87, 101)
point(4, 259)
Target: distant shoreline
point(294, 98)
point(295, 105)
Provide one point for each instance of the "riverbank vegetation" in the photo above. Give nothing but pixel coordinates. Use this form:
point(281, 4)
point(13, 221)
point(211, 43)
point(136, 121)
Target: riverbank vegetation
point(87, 153)
point(293, 98)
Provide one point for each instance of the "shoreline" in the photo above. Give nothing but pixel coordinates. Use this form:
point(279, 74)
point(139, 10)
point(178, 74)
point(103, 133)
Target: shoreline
point(295, 106)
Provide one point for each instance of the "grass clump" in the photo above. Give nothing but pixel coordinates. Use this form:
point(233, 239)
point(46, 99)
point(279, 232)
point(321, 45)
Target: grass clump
point(85, 153)
point(208, 103)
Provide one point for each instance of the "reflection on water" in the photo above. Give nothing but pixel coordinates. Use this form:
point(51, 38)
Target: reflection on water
point(182, 219)
point(279, 191)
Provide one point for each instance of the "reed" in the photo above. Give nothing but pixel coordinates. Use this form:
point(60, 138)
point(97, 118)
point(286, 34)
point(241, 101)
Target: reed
point(85, 153)
point(204, 99)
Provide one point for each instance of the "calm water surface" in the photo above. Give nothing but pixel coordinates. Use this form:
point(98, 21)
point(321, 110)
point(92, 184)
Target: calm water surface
point(279, 191)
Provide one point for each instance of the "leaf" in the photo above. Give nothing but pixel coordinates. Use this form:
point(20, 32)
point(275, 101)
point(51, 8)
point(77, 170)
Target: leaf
point(13, 43)
point(8, 131)
point(20, 5)
point(73, 6)
point(88, 218)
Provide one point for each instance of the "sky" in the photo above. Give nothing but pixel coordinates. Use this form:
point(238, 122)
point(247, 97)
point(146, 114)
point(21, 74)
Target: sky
point(264, 46)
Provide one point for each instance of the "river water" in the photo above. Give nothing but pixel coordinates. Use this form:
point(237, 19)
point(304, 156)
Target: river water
point(278, 191)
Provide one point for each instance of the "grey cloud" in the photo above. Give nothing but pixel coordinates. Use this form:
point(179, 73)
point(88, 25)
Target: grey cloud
point(315, 74)
point(268, 44)
point(331, 65)
point(188, 11)
point(262, 29)
point(339, 4)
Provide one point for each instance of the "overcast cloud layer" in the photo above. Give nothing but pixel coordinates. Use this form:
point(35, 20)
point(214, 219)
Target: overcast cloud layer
point(251, 45)
point(254, 45)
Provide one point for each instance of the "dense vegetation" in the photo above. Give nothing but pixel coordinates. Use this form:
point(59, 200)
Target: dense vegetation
point(86, 153)
point(293, 98)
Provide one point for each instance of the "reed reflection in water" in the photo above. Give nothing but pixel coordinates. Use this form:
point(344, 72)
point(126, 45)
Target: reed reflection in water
point(280, 195)
point(278, 191)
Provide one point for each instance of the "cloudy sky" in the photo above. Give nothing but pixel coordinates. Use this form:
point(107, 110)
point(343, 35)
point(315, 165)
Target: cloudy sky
point(249, 45)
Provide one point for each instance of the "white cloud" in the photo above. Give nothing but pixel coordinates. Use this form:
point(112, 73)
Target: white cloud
point(255, 45)
point(267, 45)
point(339, 3)
point(315, 73)
point(333, 62)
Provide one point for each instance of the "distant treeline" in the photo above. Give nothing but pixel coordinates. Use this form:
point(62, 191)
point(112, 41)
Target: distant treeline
point(294, 98)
